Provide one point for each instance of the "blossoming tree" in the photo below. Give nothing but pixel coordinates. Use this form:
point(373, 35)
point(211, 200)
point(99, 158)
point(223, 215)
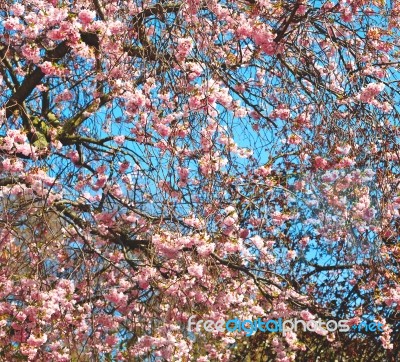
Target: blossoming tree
point(163, 159)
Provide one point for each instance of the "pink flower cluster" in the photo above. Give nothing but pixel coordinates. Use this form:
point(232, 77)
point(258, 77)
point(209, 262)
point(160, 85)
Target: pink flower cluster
point(86, 16)
point(16, 142)
point(183, 176)
point(65, 30)
point(49, 69)
point(135, 101)
point(281, 112)
point(196, 270)
point(194, 70)
point(184, 47)
point(264, 38)
point(65, 95)
point(370, 91)
point(321, 163)
point(119, 140)
point(12, 165)
point(31, 53)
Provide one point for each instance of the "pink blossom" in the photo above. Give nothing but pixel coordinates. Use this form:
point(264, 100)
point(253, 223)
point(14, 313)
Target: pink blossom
point(280, 112)
point(7, 143)
point(27, 350)
point(279, 218)
point(345, 162)
point(370, 91)
point(195, 70)
point(116, 297)
point(119, 140)
point(244, 30)
point(344, 150)
point(101, 169)
point(123, 166)
point(24, 149)
point(354, 321)
point(135, 101)
point(347, 15)
point(291, 254)
point(116, 191)
point(101, 181)
point(193, 221)
point(229, 221)
point(330, 176)
point(111, 340)
point(183, 172)
point(73, 156)
point(17, 9)
point(6, 164)
point(240, 112)
point(294, 139)
point(31, 53)
point(86, 16)
point(320, 162)
point(12, 23)
point(306, 315)
point(264, 38)
point(196, 270)
point(65, 95)
point(257, 241)
point(205, 249)
point(55, 15)
point(385, 107)
point(304, 241)
point(163, 130)
point(321, 331)
point(244, 233)
point(36, 341)
point(48, 68)
point(185, 45)
point(369, 214)
point(17, 166)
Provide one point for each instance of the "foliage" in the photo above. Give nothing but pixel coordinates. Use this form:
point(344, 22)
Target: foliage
point(162, 159)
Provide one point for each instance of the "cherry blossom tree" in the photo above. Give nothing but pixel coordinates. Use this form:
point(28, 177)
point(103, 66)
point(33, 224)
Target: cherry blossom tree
point(217, 159)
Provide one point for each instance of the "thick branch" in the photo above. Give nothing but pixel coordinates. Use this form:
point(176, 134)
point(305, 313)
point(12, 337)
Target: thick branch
point(34, 79)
